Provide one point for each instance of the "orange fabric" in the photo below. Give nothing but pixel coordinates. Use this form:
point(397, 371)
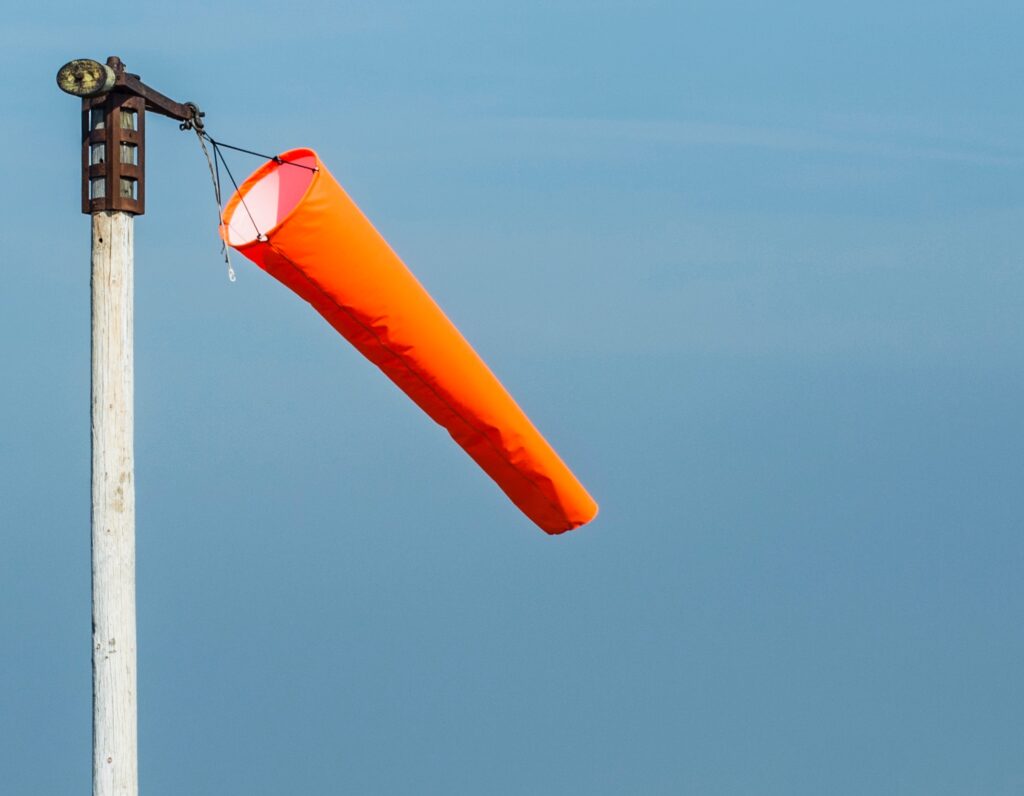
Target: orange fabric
point(327, 251)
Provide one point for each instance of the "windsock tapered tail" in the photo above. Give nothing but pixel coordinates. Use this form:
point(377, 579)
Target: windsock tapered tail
point(298, 224)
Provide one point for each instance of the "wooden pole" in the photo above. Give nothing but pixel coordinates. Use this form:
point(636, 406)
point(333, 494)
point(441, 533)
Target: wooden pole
point(115, 723)
point(114, 105)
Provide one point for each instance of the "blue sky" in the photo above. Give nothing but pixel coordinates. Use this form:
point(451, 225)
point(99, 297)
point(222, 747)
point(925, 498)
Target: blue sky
point(755, 269)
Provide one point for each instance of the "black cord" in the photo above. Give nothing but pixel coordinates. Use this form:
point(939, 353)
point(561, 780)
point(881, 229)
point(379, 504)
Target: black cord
point(218, 159)
point(214, 163)
point(275, 158)
point(218, 154)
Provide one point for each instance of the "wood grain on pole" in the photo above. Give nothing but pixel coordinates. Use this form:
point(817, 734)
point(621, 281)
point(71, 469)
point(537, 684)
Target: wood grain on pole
point(115, 733)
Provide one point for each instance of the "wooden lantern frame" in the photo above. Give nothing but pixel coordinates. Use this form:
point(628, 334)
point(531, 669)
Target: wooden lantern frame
point(114, 125)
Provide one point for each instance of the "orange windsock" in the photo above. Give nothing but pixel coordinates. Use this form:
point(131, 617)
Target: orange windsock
point(294, 220)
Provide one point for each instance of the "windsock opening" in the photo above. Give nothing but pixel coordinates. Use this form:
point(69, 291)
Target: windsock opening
point(268, 196)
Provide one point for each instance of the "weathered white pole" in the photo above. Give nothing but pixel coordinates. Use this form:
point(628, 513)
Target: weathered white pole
point(115, 734)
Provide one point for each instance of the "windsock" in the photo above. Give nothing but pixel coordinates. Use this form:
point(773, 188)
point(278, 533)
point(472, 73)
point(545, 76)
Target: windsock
point(293, 219)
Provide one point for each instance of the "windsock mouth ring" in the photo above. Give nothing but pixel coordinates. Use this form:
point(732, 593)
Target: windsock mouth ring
point(268, 196)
